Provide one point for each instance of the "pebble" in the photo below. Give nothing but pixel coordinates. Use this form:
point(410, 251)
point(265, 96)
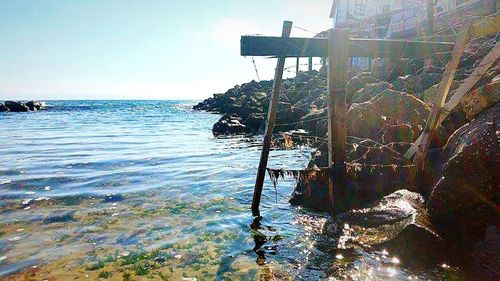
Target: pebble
point(2, 258)
point(26, 201)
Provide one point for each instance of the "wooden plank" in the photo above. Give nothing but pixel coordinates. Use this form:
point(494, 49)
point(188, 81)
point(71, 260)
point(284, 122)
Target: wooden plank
point(271, 118)
point(358, 47)
point(338, 65)
point(440, 99)
point(462, 90)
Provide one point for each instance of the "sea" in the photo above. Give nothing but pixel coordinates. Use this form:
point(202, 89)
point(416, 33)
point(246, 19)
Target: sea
point(142, 190)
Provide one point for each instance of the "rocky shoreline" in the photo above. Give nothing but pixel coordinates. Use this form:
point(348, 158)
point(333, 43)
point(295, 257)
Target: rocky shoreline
point(387, 111)
point(18, 106)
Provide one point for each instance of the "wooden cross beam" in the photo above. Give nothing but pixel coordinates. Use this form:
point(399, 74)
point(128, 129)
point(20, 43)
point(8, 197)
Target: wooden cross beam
point(358, 47)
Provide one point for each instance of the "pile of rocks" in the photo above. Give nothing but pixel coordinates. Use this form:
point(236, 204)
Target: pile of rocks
point(387, 111)
point(17, 106)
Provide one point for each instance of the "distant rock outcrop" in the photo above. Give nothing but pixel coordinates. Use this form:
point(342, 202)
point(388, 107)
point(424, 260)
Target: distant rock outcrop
point(16, 106)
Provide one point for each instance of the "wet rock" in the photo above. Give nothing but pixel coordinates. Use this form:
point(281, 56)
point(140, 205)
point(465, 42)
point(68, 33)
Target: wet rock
point(374, 171)
point(364, 120)
point(34, 105)
point(62, 217)
point(463, 202)
point(397, 222)
point(393, 208)
point(255, 123)
point(229, 124)
point(16, 106)
point(3, 108)
point(481, 98)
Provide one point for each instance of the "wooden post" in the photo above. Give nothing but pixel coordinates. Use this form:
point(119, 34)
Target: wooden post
point(310, 64)
point(430, 17)
point(439, 101)
point(271, 118)
point(297, 66)
point(338, 61)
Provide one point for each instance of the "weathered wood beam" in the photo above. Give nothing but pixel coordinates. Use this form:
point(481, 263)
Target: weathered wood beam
point(459, 93)
point(271, 118)
point(439, 101)
point(358, 47)
point(338, 65)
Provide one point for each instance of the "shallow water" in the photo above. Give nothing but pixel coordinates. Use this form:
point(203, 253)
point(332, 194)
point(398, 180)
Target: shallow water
point(130, 190)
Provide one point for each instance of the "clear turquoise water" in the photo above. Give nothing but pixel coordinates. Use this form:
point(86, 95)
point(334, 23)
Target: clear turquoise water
point(95, 182)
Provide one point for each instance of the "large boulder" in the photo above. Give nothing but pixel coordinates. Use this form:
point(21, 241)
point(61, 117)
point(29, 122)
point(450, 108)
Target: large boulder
point(229, 124)
point(397, 224)
point(481, 98)
point(364, 120)
point(464, 201)
point(16, 106)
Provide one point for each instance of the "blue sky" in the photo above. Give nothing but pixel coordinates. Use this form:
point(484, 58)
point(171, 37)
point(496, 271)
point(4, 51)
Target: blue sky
point(110, 49)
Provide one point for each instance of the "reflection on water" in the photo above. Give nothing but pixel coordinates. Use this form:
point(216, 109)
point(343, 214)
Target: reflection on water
point(139, 190)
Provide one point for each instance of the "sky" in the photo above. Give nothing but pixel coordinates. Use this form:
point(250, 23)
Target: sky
point(147, 49)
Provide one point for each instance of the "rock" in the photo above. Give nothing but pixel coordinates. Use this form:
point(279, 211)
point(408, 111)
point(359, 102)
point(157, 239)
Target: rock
point(397, 133)
point(310, 121)
point(463, 202)
point(374, 171)
point(429, 79)
point(430, 94)
point(34, 105)
point(393, 208)
point(255, 123)
point(481, 98)
point(16, 106)
point(3, 108)
point(358, 82)
point(368, 92)
point(409, 84)
point(486, 255)
point(229, 124)
point(398, 223)
point(389, 69)
point(63, 217)
point(364, 120)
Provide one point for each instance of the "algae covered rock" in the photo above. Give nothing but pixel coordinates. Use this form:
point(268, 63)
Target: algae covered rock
point(464, 201)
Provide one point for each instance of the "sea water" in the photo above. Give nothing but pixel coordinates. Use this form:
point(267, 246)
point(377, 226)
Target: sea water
point(139, 190)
